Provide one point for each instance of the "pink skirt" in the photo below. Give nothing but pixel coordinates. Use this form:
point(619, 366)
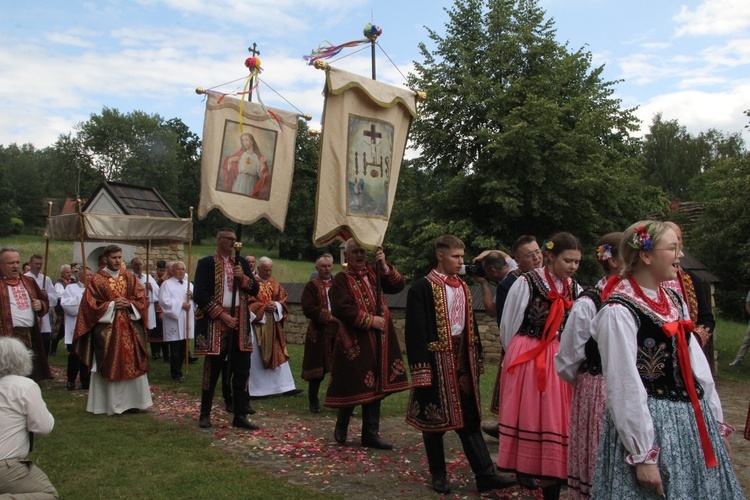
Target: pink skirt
point(586, 420)
point(533, 424)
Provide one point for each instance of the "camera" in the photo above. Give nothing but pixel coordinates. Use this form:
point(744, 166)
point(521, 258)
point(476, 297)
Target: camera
point(475, 270)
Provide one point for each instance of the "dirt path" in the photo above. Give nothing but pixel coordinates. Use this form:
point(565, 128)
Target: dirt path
point(300, 448)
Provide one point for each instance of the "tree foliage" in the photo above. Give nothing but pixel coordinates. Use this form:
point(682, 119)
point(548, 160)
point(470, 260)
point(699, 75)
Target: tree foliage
point(673, 157)
point(722, 235)
point(519, 134)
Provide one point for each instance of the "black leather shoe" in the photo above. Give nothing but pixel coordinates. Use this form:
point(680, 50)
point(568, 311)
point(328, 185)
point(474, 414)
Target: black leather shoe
point(527, 482)
point(440, 484)
point(339, 434)
point(249, 410)
point(204, 422)
point(242, 422)
point(376, 443)
point(71, 386)
point(230, 408)
point(315, 407)
point(192, 360)
point(293, 392)
point(493, 482)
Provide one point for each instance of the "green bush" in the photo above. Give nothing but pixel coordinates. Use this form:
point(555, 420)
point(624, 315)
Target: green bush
point(16, 225)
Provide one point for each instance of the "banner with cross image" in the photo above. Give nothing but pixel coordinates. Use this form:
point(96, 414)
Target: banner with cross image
point(365, 128)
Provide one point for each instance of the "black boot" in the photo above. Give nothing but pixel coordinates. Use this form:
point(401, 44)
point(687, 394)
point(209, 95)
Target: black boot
point(312, 394)
point(433, 447)
point(371, 427)
point(481, 464)
point(240, 397)
point(342, 424)
point(207, 399)
point(551, 492)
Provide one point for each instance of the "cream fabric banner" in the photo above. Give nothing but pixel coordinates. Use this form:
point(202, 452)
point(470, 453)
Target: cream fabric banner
point(246, 166)
point(365, 127)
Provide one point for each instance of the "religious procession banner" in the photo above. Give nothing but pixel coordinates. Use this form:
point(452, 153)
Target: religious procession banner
point(365, 127)
point(247, 162)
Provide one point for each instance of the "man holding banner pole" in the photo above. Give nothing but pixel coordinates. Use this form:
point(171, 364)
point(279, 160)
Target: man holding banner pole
point(367, 362)
point(221, 336)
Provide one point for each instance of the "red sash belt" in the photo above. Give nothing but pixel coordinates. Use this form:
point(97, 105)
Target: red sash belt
point(682, 329)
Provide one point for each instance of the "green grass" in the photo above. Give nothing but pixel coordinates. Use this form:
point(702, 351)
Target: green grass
point(727, 340)
point(141, 456)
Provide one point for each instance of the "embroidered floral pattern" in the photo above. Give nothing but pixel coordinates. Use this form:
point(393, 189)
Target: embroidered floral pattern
point(370, 379)
point(414, 410)
point(352, 351)
point(651, 457)
point(432, 412)
point(650, 360)
point(397, 369)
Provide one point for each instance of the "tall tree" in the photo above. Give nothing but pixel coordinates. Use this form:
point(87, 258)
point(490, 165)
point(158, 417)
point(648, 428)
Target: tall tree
point(25, 171)
point(8, 208)
point(521, 134)
point(673, 157)
point(722, 235)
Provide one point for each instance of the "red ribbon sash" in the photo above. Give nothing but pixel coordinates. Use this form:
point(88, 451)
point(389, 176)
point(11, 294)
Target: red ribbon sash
point(682, 329)
point(539, 354)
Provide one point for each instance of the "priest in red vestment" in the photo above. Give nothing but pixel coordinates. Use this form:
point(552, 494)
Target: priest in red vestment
point(110, 336)
point(270, 374)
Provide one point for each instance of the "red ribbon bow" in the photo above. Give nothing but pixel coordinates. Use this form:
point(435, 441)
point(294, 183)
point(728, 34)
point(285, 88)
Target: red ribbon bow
point(682, 330)
point(554, 319)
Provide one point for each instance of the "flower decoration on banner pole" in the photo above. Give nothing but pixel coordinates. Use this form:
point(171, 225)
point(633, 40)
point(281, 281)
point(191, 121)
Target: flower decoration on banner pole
point(251, 85)
point(371, 33)
point(642, 238)
point(604, 252)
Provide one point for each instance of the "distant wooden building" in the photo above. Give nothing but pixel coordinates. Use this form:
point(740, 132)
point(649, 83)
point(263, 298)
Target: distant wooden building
point(117, 198)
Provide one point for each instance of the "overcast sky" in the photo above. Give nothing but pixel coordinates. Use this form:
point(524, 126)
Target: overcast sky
point(63, 60)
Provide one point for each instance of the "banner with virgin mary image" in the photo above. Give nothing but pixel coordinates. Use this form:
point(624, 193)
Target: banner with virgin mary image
point(247, 160)
point(365, 128)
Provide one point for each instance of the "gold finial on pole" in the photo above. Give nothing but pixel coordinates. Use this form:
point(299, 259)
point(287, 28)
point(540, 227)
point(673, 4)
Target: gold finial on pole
point(319, 64)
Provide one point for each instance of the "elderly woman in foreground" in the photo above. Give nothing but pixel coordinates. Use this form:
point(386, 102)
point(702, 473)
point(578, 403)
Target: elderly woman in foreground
point(22, 412)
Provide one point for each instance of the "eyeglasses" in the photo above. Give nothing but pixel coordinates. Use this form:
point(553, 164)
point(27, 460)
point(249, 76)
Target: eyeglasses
point(676, 250)
point(533, 253)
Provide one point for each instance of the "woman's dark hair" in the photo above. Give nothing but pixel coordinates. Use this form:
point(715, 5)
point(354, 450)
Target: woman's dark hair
point(563, 241)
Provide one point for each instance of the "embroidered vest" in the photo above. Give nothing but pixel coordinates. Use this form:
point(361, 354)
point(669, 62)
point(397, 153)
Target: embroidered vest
point(657, 360)
point(536, 312)
point(593, 361)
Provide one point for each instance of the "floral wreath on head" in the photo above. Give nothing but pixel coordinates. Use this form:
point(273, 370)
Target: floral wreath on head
point(642, 239)
point(604, 252)
point(549, 245)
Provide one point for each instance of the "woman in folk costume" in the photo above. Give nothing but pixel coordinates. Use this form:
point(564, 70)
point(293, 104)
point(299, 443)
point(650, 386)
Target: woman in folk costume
point(534, 401)
point(579, 364)
point(663, 432)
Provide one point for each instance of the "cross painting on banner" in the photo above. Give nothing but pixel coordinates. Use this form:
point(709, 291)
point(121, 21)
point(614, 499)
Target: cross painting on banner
point(365, 128)
point(247, 160)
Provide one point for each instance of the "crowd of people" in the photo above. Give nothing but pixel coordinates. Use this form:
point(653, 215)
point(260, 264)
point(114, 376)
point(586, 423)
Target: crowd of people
point(603, 389)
